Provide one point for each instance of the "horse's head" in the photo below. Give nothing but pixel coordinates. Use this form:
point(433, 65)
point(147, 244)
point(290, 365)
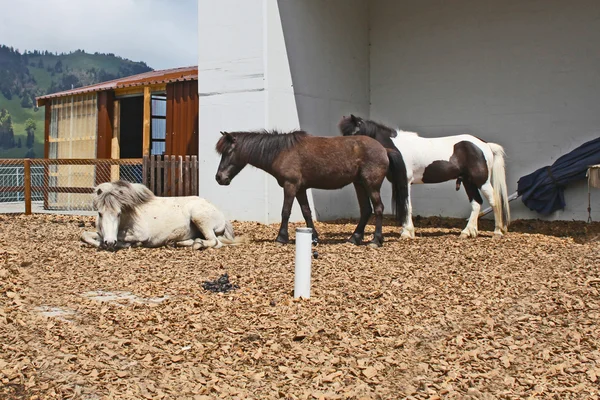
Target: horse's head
point(231, 164)
point(351, 125)
point(109, 214)
point(354, 125)
point(111, 199)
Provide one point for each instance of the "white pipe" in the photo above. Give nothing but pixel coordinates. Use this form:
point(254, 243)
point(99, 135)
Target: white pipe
point(303, 261)
point(489, 209)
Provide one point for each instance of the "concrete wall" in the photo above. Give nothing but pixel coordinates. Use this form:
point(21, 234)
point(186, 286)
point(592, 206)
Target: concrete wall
point(525, 74)
point(253, 74)
point(328, 49)
point(244, 84)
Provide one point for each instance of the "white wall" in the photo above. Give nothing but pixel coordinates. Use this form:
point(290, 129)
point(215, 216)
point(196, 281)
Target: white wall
point(253, 75)
point(328, 50)
point(525, 74)
point(244, 84)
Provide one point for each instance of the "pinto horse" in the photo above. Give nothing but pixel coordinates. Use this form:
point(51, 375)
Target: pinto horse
point(477, 164)
point(300, 161)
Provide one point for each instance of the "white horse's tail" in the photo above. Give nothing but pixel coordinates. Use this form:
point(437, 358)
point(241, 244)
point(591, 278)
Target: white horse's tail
point(229, 237)
point(499, 184)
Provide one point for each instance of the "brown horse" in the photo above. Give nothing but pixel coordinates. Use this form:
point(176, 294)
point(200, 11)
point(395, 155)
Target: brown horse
point(300, 161)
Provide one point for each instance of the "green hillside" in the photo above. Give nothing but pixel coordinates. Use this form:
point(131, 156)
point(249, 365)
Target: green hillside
point(23, 76)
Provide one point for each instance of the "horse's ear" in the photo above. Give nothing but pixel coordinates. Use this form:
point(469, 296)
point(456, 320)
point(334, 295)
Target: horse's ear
point(229, 136)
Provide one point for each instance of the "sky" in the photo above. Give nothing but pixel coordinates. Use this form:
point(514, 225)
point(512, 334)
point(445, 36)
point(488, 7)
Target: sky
point(163, 33)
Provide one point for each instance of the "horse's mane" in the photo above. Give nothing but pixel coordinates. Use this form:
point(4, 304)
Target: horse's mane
point(120, 195)
point(371, 128)
point(260, 147)
point(366, 127)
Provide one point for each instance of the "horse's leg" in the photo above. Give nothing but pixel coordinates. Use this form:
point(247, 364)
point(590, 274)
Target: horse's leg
point(210, 240)
point(476, 201)
point(91, 238)
point(185, 243)
point(207, 230)
point(375, 196)
point(488, 193)
point(306, 213)
point(408, 229)
point(365, 214)
point(289, 193)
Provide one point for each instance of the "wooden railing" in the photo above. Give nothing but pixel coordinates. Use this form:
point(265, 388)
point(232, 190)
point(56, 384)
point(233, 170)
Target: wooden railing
point(67, 184)
point(171, 175)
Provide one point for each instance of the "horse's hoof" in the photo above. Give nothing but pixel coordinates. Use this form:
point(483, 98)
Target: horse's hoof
point(407, 234)
point(466, 235)
point(315, 241)
point(355, 241)
point(374, 245)
point(497, 236)
point(279, 244)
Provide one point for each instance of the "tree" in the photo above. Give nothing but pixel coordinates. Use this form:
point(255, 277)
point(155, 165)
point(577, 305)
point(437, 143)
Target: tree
point(58, 67)
point(7, 135)
point(26, 100)
point(19, 144)
point(30, 127)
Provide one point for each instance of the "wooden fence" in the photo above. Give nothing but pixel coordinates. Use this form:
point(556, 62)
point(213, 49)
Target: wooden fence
point(70, 188)
point(171, 175)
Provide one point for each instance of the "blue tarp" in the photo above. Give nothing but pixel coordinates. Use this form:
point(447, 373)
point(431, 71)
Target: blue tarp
point(543, 190)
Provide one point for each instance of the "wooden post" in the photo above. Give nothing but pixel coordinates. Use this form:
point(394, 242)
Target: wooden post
point(180, 176)
point(195, 172)
point(159, 172)
point(165, 175)
point(187, 177)
point(115, 150)
point(145, 167)
point(47, 127)
point(153, 173)
point(27, 185)
point(173, 167)
point(147, 118)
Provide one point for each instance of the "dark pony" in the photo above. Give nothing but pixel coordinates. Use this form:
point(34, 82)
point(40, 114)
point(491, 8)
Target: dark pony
point(472, 162)
point(300, 161)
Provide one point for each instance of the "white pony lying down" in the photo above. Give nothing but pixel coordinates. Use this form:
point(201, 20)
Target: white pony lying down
point(130, 215)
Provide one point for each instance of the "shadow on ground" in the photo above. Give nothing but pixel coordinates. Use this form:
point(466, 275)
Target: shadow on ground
point(580, 231)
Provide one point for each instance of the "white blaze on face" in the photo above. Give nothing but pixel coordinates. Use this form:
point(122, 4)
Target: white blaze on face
point(108, 225)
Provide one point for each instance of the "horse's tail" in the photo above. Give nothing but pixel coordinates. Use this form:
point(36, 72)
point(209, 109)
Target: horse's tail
point(399, 181)
point(499, 184)
point(229, 237)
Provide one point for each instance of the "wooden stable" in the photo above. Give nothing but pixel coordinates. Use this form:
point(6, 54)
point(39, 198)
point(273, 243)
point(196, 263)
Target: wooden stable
point(150, 114)
point(125, 117)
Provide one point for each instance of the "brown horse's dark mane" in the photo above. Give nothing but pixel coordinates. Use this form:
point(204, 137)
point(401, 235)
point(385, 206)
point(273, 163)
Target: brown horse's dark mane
point(260, 147)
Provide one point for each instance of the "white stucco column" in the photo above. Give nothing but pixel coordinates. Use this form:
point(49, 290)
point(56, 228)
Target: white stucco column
point(278, 64)
point(244, 84)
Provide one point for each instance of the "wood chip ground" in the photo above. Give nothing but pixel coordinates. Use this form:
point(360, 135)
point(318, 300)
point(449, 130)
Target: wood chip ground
point(435, 317)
